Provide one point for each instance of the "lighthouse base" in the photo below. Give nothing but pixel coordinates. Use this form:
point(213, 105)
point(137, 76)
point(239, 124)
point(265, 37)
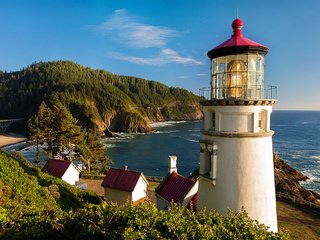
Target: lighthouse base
point(241, 176)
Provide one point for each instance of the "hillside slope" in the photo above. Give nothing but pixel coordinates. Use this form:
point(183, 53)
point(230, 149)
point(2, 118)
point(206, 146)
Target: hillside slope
point(97, 98)
point(29, 196)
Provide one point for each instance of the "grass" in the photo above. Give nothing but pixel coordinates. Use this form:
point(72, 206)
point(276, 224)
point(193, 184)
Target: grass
point(94, 185)
point(301, 222)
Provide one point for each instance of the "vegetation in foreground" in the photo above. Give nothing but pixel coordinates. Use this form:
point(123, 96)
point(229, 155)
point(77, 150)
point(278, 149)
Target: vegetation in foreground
point(35, 205)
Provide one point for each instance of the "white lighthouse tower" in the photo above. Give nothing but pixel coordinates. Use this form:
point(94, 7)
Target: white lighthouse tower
point(236, 160)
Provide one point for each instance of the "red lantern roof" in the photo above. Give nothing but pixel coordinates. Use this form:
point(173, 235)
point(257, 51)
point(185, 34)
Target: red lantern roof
point(237, 43)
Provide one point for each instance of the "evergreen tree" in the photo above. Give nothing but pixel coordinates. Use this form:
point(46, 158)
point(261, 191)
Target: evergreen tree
point(92, 95)
point(92, 152)
point(34, 125)
point(68, 133)
point(56, 127)
point(40, 128)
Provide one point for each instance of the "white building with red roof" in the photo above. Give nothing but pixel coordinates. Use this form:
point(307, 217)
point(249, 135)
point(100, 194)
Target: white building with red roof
point(176, 188)
point(122, 185)
point(64, 170)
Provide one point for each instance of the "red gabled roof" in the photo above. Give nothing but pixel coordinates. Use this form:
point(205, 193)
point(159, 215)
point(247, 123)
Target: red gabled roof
point(121, 179)
point(174, 187)
point(56, 167)
point(237, 40)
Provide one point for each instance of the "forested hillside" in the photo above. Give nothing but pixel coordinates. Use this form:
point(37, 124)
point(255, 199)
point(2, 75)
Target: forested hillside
point(97, 98)
point(35, 205)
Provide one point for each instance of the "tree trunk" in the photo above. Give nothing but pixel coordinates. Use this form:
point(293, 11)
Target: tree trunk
point(37, 155)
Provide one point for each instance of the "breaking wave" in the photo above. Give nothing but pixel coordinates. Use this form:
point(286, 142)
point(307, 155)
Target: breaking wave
point(165, 124)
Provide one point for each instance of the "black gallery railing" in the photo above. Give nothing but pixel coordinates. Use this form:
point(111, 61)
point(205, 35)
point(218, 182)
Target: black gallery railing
point(243, 92)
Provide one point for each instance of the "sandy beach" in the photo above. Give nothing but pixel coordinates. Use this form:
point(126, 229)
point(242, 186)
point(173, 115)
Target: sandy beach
point(7, 140)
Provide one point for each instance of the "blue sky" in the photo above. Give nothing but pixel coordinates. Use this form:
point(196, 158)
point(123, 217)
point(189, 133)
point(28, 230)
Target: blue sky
point(167, 40)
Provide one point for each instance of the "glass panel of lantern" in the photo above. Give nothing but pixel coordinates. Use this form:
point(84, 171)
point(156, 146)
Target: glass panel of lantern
point(236, 76)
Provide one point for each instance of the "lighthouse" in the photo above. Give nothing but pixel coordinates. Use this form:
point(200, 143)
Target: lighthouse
point(236, 159)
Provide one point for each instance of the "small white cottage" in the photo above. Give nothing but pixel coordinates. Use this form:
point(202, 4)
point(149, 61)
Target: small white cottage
point(122, 185)
point(176, 188)
point(64, 170)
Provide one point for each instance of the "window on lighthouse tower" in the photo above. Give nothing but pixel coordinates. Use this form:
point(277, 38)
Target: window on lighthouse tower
point(213, 121)
point(262, 120)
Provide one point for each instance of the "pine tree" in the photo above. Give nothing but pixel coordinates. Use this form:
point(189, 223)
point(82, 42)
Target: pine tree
point(34, 125)
point(68, 133)
point(56, 127)
point(92, 151)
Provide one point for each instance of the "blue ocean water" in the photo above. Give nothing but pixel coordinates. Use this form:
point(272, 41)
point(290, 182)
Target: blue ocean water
point(149, 152)
point(296, 139)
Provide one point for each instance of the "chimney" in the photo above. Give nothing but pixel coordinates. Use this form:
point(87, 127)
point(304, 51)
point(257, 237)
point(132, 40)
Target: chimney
point(125, 167)
point(172, 164)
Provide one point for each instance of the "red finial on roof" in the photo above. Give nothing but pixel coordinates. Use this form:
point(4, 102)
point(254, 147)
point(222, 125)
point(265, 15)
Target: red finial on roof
point(237, 25)
point(237, 43)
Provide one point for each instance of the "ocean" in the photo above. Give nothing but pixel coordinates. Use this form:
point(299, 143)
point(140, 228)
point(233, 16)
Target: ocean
point(296, 139)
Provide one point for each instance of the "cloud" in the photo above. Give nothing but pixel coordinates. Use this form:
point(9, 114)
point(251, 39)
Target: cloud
point(165, 56)
point(201, 74)
point(184, 77)
point(193, 76)
point(130, 31)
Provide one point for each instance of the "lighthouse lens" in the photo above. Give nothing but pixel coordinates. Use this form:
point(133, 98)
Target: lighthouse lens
point(235, 79)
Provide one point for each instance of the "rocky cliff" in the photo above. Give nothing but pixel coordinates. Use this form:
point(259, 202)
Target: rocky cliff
point(287, 181)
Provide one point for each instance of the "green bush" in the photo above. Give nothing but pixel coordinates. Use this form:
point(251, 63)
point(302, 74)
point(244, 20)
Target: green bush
point(29, 209)
point(145, 221)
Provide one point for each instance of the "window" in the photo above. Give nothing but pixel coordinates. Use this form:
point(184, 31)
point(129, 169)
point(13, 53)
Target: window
point(213, 120)
point(262, 120)
point(208, 160)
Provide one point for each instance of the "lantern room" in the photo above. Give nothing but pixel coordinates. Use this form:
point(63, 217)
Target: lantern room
point(237, 67)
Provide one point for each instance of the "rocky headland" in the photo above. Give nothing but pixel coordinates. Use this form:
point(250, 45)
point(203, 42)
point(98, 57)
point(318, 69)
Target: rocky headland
point(287, 182)
point(98, 99)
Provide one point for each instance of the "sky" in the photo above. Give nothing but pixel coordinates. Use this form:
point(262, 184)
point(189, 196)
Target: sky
point(167, 40)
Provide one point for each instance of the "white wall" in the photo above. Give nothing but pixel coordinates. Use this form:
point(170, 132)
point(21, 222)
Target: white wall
point(71, 176)
point(191, 193)
point(140, 191)
point(238, 118)
point(244, 167)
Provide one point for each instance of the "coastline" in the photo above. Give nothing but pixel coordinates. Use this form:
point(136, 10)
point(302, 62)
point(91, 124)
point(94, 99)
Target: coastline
point(7, 140)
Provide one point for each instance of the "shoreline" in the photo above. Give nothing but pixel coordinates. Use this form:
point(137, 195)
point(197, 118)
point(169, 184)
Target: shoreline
point(7, 140)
